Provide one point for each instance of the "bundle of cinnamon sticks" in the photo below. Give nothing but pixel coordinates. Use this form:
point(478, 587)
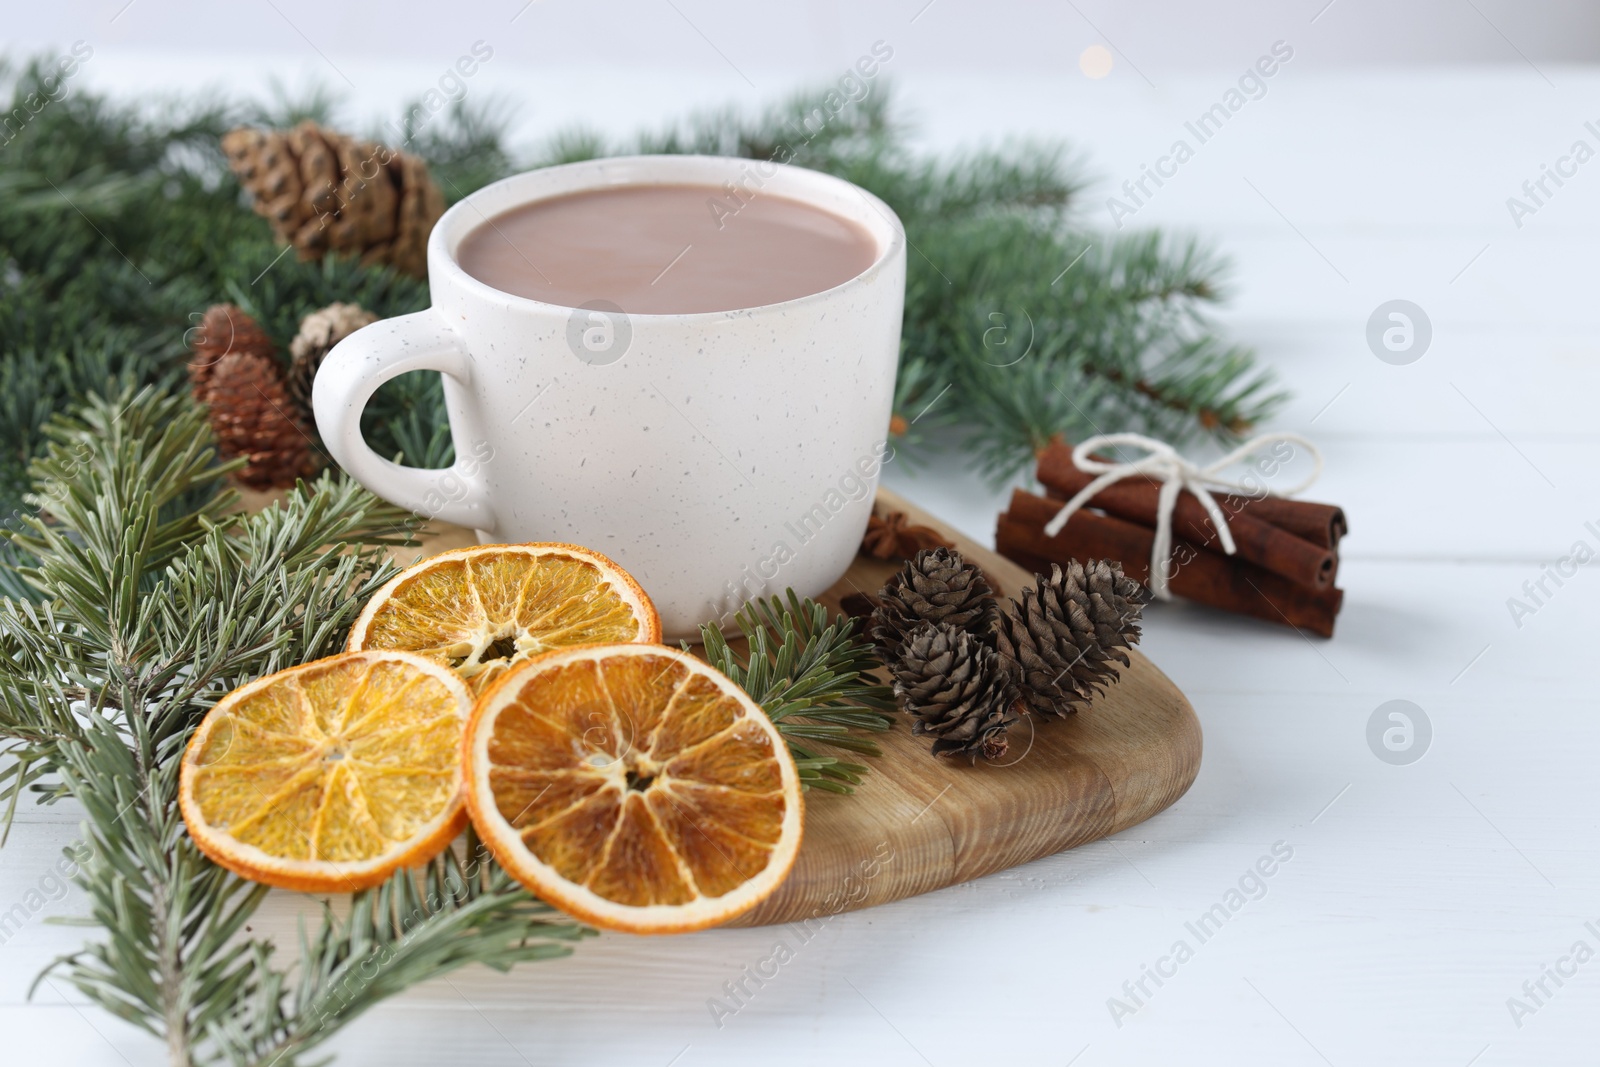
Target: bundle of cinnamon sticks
point(1286, 551)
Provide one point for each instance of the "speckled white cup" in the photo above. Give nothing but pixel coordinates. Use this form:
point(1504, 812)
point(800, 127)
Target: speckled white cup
point(716, 456)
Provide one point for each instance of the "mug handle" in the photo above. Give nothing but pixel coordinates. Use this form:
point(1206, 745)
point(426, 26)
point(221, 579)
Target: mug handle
point(353, 370)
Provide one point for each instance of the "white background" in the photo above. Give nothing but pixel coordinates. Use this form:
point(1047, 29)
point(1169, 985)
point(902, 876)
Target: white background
point(1419, 898)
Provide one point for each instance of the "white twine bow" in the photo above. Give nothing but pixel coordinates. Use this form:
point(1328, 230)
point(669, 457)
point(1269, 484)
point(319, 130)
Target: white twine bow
point(1176, 474)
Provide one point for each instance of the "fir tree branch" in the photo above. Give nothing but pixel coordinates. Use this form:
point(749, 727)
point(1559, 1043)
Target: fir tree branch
point(459, 909)
point(155, 600)
point(1118, 320)
point(810, 676)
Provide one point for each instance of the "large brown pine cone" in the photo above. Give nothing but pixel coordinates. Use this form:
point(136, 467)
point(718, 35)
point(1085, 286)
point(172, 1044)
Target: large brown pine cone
point(1060, 642)
point(957, 689)
point(935, 585)
point(326, 192)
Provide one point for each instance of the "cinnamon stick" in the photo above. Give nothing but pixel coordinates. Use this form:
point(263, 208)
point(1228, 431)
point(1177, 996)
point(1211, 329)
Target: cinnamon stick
point(1231, 584)
point(1321, 524)
point(1136, 499)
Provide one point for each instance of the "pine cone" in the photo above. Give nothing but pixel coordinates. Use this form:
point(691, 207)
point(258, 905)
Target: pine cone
point(223, 329)
point(1059, 642)
point(238, 377)
point(935, 585)
point(894, 537)
point(319, 332)
point(326, 192)
point(958, 690)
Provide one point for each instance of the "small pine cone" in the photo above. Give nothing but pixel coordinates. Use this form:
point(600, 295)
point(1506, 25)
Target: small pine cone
point(957, 689)
point(238, 377)
point(1060, 641)
point(319, 332)
point(223, 328)
point(935, 585)
point(326, 192)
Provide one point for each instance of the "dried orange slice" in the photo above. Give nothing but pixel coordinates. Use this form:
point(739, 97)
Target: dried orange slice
point(330, 776)
point(634, 787)
point(482, 609)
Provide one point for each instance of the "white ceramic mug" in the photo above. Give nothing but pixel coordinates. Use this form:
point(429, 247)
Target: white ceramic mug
point(717, 456)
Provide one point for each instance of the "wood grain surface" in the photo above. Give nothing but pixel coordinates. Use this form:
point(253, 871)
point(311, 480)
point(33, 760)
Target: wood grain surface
point(919, 823)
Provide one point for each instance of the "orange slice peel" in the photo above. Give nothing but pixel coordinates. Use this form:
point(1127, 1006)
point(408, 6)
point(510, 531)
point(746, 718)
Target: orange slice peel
point(330, 776)
point(484, 608)
point(633, 786)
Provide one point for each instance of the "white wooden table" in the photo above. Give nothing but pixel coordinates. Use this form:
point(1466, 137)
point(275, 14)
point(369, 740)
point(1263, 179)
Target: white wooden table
point(1419, 898)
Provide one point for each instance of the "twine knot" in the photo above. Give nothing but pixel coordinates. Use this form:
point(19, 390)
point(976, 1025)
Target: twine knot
point(1161, 462)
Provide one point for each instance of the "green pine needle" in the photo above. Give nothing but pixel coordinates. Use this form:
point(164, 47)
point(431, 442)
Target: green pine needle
point(810, 676)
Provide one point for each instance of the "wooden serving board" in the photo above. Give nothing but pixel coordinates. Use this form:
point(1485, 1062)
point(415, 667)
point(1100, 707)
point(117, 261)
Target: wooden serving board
point(920, 823)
